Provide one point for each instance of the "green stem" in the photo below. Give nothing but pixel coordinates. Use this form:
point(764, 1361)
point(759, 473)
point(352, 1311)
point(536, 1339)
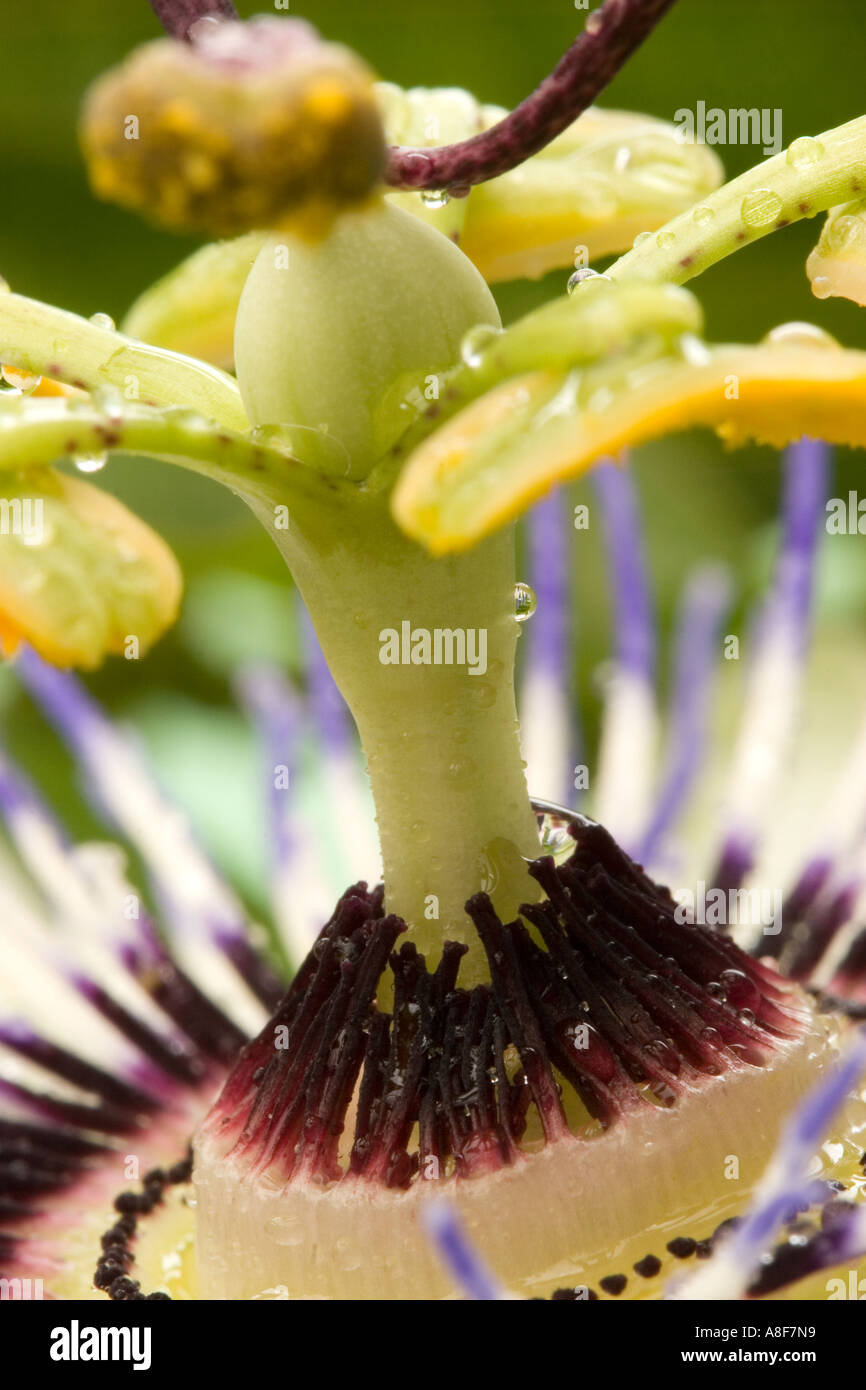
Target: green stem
point(809, 177)
point(441, 742)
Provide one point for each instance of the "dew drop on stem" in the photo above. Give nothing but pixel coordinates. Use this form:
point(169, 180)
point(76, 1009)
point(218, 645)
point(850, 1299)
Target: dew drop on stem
point(576, 279)
point(804, 153)
point(760, 207)
point(476, 341)
point(524, 602)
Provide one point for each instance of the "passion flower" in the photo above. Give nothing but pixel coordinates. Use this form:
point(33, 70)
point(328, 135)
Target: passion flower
point(493, 1023)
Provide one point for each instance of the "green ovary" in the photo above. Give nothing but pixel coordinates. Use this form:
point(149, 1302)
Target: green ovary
point(339, 340)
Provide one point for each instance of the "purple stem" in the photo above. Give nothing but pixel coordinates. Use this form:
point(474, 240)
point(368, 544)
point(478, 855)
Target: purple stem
point(635, 638)
point(178, 16)
point(612, 34)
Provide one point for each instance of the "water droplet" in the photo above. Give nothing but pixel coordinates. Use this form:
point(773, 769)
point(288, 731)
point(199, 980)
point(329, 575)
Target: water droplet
point(640, 239)
point(90, 463)
point(460, 770)
point(760, 207)
point(524, 602)
point(578, 277)
point(702, 215)
point(665, 239)
point(435, 197)
point(822, 287)
point(746, 1015)
point(20, 380)
point(801, 335)
point(103, 321)
point(284, 1230)
point(805, 152)
point(475, 342)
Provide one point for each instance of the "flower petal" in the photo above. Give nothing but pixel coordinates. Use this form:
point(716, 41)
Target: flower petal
point(80, 575)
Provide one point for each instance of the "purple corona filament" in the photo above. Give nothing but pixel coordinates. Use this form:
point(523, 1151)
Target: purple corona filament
point(547, 717)
point(200, 904)
point(784, 1187)
point(298, 888)
point(458, 1255)
point(781, 636)
point(704, 604)
point(627, 751)
point(347, 799)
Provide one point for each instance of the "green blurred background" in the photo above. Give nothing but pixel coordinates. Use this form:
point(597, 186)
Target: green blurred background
point(58, 244)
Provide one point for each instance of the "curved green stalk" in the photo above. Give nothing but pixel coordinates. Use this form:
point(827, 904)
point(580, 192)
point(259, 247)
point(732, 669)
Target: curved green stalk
point(809, 177)
point(53, 343)
point(39, 431)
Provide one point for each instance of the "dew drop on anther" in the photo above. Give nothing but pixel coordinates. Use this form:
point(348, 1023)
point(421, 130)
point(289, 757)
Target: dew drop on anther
point(435, 197)
point(801, 335)
point(805, 152)
point(760, 207)
point(103, 321)
point(524, 602)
